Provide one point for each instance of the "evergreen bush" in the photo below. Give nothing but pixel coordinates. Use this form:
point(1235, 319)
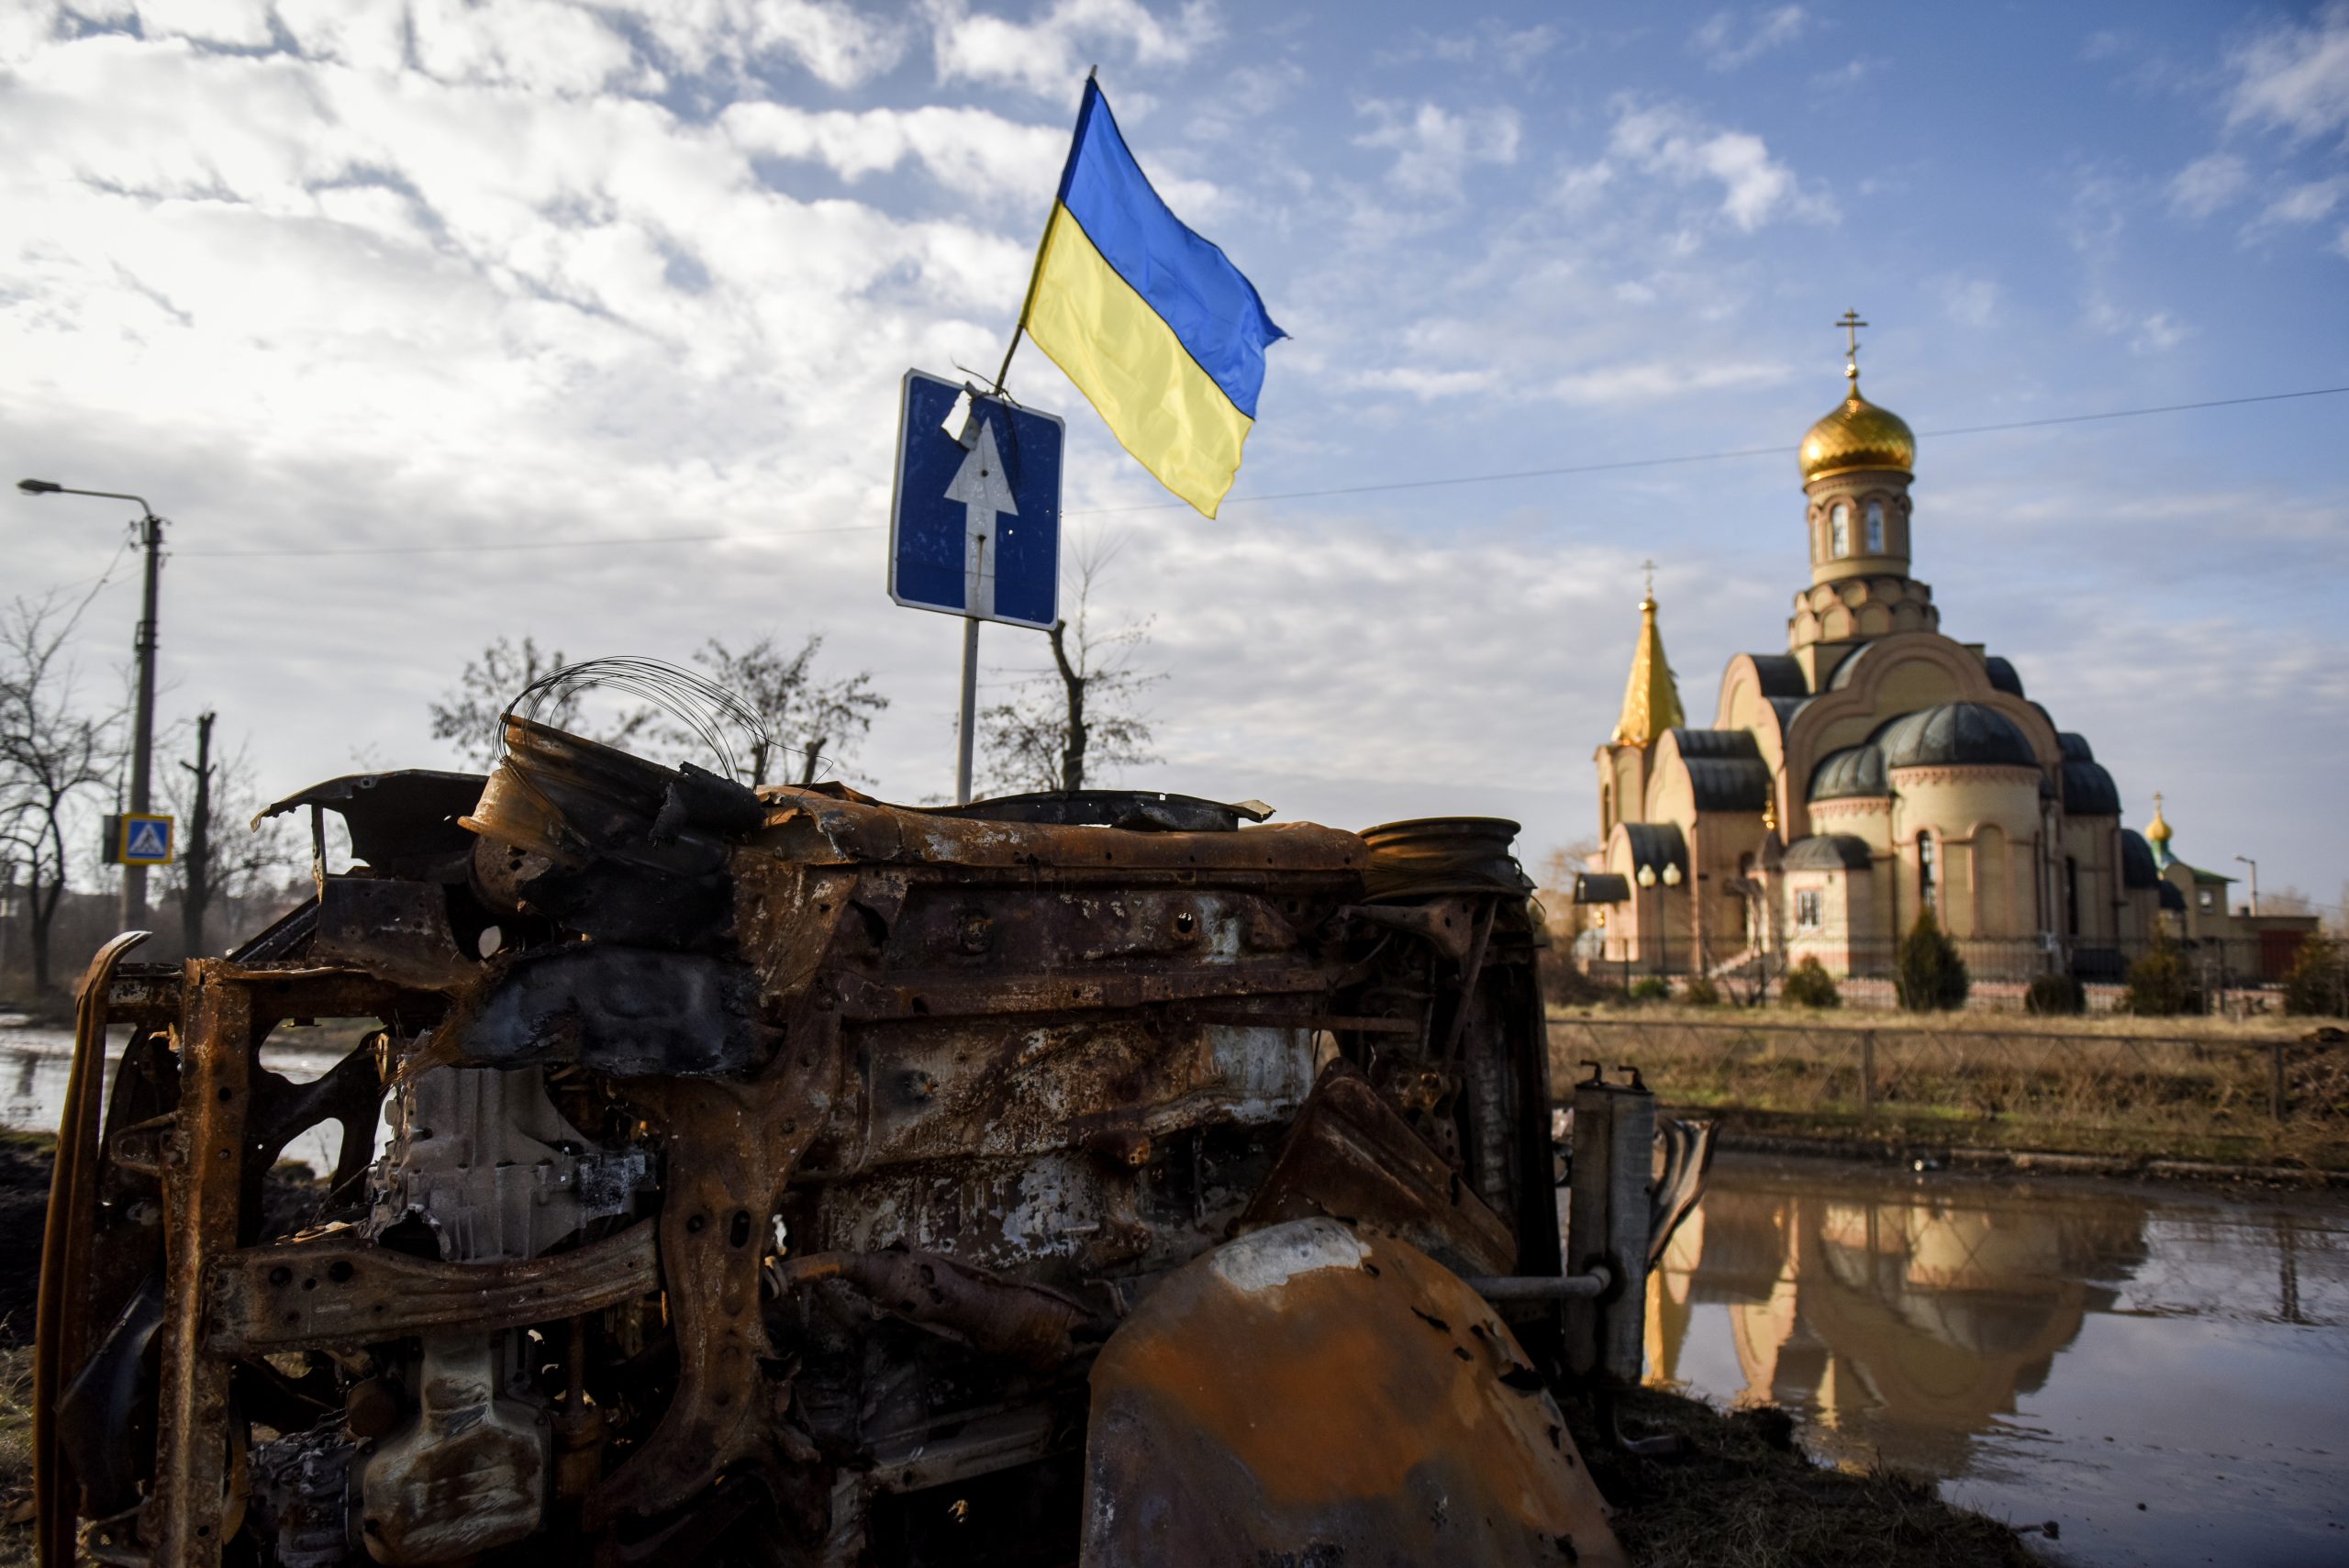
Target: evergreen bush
point(1651, 988)
point(1807, 985)
point(2159, 986)
point(1700, 992)
point(2318, 983)
point(2056, 996)
point(1929, 975)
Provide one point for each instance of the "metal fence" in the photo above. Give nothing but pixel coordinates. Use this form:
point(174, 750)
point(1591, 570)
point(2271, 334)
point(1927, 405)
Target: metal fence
point(2218, 975)
point(2269, 1097)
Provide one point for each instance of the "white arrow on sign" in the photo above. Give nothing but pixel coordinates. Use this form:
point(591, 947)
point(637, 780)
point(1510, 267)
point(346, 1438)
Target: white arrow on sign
point(984, 493)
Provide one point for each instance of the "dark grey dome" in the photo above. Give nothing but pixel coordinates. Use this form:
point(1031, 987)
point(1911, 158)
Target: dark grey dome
point(2089, 790)
point(1780, 675)
point(1657, 844)
point(1828, 851)
point(2075, 747)
point(2003, 677)
point(1725, 771)
point(2138, 868)
point(1853, 773)
point(1956, 734)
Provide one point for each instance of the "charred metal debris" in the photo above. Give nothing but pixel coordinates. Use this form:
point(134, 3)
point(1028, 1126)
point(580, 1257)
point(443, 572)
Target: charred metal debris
point(787, 1177)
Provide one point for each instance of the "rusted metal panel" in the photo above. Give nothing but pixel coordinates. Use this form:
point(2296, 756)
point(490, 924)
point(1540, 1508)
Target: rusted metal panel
point(196, 1503)
point(309, 1293)
point(1352, 1156)
point(62, 1319)
point(1310, 1394)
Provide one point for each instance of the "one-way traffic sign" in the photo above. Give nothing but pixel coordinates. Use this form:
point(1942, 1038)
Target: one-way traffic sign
point(974, 527)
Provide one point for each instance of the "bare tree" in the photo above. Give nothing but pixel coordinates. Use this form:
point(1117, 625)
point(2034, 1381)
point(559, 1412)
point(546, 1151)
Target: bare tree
point(1047, 736)
point(51, 750)
point(812, 719)
point(471, 714)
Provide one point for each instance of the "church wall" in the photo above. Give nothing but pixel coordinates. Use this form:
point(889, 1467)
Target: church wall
point(1971, 878)
point(2091, 843)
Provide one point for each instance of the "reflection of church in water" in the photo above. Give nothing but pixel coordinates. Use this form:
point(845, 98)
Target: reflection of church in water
point(1926, 1313)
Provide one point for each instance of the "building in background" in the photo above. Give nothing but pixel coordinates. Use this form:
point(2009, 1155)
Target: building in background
point(1877, 767)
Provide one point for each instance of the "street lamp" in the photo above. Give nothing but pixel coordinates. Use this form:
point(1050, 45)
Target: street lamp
point(142, 744)
point(1647, 880)
point(2255, 880)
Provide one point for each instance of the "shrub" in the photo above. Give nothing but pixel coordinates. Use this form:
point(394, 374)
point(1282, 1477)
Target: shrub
point(1929, 975)
point(1700, 992)
point(1807, 985)
point(2159, 986)
point(2056, 996)
point(1651, 988)
point(1565, 983)
point(2317, 982)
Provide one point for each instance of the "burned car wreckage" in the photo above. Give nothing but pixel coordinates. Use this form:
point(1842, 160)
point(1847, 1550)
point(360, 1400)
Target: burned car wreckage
point(781, 1176)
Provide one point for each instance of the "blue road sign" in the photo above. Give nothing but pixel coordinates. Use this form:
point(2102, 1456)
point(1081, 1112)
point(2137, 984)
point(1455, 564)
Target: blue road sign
point(974, 528)
point(146, 840)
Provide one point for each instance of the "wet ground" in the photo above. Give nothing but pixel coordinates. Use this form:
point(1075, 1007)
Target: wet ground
point(2165, 1373)
point(33, 1062)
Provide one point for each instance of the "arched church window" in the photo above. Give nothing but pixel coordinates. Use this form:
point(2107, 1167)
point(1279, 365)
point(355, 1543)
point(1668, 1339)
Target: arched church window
point(2071, 895)
point(1925, 870)
point(1876, 528)
point(1839, 531)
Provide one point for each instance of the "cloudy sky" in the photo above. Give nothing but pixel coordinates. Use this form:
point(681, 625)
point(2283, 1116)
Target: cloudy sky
point(431, 322)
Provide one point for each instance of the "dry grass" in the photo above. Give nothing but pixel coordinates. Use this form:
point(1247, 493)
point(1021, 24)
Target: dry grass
point(1742, 1495)
point(1969, 1081)
point(16, 1455)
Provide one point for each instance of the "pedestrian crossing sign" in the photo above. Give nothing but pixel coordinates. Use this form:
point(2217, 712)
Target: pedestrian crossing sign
point(146, 840)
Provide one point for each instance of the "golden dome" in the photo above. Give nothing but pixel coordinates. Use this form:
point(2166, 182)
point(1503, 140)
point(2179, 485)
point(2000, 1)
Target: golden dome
point(1858, 435)
point(2157, 831)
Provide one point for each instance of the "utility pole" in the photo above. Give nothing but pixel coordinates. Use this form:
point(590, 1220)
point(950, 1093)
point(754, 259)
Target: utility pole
point(196, 897)
point(2255, 880)
point(142, 745)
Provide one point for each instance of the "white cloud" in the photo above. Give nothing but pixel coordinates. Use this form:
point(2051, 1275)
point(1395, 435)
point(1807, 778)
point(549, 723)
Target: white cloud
point(976, 153)
point(1427, 385)
point(2294, 77)
point(2208, 183)
point(1669, 141)
point(1651, 381)
point(1048, 56)
point(1969, 301)
point(2304, 203)
point(1726, 41)
point(1434, 147)
point(236, 23)
point(841, 45)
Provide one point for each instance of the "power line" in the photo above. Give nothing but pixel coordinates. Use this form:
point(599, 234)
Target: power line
point(1386, 487)
point(1704, 457)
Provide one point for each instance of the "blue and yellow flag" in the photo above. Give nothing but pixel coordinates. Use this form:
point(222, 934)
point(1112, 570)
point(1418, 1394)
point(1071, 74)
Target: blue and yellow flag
point(1160, 331)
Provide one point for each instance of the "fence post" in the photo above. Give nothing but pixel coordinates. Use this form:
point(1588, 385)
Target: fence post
point(1867, 1074)
point(2275, 1106)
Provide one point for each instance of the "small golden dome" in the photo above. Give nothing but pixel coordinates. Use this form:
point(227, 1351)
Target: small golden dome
point(1858, 435)
point(2157, 831)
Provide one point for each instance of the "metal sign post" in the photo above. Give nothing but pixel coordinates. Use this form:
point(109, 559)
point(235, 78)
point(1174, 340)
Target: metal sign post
point(974, 521)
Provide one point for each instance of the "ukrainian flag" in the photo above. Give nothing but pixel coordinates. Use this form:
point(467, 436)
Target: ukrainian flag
point(1160, 331)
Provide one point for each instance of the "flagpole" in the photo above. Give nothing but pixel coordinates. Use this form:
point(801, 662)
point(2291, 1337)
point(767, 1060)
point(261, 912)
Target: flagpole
point(1034, 274)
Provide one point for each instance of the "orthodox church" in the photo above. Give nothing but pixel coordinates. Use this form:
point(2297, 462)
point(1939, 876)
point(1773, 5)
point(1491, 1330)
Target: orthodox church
point(1875, 767)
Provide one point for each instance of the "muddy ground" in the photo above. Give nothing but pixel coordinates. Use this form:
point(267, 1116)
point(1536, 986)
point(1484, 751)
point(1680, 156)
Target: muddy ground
point(1739, 1495)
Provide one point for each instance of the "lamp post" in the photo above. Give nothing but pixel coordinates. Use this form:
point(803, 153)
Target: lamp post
point(2255, 880)
point(1647, 880)
point(142, 743)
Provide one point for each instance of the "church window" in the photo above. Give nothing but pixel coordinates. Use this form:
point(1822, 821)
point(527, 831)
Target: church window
point(1839, 531)
point(2203, 898)
point(1806, 910)
point(1925, 870)
point(2072, 895)
point(1876, 528)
